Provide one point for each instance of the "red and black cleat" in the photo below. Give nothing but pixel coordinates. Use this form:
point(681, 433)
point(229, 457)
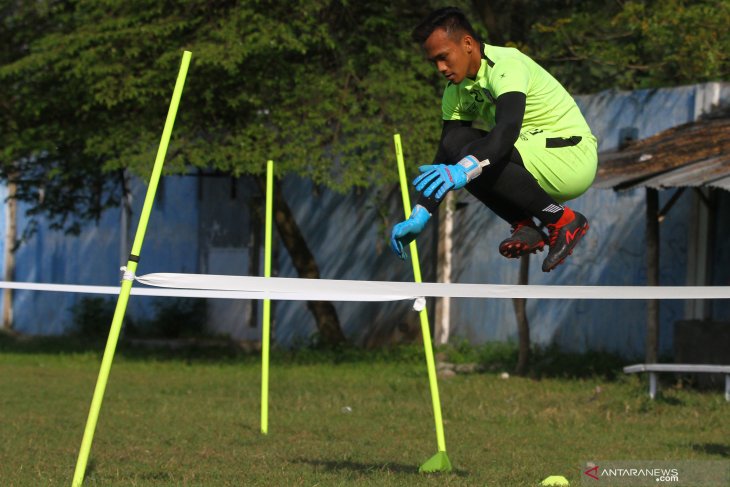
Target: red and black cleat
point(564, 236)
point(525, 239)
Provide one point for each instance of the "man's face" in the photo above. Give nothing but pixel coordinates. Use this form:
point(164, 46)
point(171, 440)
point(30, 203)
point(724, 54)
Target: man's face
point(451, 57)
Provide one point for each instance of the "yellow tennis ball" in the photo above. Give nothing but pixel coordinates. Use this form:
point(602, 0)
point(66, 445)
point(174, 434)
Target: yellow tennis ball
point(555, 480)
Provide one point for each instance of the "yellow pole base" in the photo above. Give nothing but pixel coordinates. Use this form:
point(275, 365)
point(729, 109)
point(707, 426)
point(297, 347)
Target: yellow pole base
point(437, 463)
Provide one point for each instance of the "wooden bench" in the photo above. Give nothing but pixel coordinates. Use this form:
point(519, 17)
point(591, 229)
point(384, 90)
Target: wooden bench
point(654, 369)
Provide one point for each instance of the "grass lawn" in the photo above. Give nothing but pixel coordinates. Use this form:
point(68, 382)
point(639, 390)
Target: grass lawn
point(178, 420)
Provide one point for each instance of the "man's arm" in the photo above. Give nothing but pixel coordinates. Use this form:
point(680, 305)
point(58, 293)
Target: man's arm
point(498, 144)
point(493, 149)
point(441, 156)
point(429, 202)
point(405, 232)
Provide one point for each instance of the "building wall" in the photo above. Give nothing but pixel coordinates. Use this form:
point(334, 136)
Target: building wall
point(205, 225)
point(93, 257)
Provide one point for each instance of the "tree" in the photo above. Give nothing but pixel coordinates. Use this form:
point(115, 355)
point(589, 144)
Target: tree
point(317, 85)
point(594, 45)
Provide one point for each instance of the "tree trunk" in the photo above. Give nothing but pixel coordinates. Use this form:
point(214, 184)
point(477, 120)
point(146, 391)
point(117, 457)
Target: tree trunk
point(254, 255)
point(124, 218)
point(505, 20)
point(9, 261)
point(489, 18)
point(523, 326)
point(324, 312)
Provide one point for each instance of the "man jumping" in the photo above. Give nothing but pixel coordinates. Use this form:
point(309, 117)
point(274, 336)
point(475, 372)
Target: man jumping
point(538, 153)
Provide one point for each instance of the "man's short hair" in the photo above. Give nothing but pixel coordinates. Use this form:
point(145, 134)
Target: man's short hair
point(451, 19)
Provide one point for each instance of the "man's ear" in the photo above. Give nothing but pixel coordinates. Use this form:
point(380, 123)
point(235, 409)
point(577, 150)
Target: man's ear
point(469, 43)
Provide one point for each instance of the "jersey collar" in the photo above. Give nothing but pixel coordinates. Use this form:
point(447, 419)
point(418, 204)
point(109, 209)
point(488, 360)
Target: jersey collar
point(479, 81)
point(483, 52)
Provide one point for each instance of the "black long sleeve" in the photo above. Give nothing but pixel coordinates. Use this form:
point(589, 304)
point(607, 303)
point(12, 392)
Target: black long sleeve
point(498, 144)
point(442, 154)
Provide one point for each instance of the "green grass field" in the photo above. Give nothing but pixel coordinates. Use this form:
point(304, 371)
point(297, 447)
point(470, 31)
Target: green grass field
point(194, 420)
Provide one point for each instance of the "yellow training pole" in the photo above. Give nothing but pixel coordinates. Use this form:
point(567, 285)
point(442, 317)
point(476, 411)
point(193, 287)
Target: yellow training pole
point(266, 326)
point(126, 287)
point(439, 462)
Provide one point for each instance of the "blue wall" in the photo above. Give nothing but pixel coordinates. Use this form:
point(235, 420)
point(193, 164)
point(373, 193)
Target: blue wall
point(93, 257)
point(192, 229)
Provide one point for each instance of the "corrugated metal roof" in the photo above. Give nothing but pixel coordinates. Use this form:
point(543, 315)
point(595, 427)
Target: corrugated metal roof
point(694, 154)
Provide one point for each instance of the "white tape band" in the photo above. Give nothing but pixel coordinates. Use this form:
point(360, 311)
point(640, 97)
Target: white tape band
point(288, 289)
point(283, 288)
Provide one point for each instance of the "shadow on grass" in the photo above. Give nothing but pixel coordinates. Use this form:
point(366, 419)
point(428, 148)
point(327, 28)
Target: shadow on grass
point(90, 468)
point(544, 362)
point(671, 401)
point(491, 357)
point(647, 405)
point(206, 349)
point(365, 468)
point(151, 476)
point(712, 449)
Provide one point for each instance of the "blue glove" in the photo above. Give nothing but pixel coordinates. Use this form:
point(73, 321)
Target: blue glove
point(405, 232)
point(444, 177)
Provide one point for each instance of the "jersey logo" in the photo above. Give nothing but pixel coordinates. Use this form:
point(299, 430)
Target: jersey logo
point(526, 134)
point(477, 95)
point(473, 107)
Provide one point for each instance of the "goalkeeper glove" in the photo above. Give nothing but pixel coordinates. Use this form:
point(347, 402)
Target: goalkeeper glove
point(405, 232)
point(444, 177)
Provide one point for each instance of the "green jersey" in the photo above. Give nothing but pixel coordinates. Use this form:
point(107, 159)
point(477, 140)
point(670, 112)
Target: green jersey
point(549, 106)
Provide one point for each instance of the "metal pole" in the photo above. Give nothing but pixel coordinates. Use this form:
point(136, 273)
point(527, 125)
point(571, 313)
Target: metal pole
point(652, 274)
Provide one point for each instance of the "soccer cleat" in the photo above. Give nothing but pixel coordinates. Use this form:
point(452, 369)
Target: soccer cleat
point(525, 239)
point(564, 236)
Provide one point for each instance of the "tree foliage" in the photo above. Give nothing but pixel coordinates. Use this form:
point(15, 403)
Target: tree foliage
point(594, 45)
point(319, 86)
